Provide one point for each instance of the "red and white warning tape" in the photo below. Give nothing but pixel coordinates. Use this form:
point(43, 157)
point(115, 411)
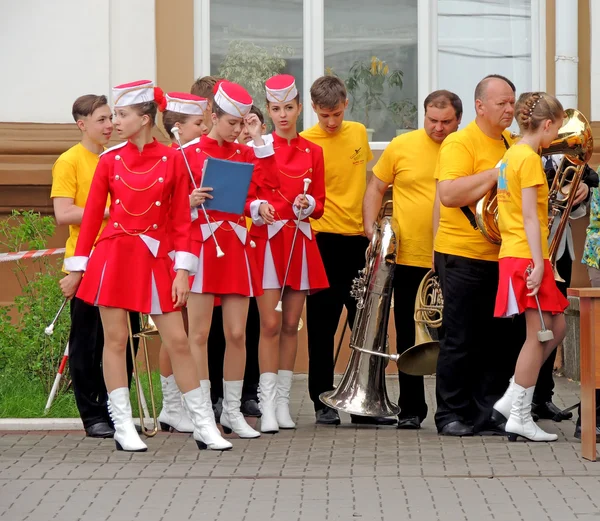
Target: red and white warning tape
point(31, 254)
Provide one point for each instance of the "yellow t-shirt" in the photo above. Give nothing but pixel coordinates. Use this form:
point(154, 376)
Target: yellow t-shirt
point(346, 154)
point(521, 168)
point(72, 177)
point(409, 162)
point(466, 152)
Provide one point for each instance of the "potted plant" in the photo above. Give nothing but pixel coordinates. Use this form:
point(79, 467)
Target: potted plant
point(404, 113)
point(251, 65)
point(366, 84)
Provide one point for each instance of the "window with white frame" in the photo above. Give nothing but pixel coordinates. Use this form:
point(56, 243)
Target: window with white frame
point(252, 41)
point(481, 37)
point(390, 53)
point(372, 46)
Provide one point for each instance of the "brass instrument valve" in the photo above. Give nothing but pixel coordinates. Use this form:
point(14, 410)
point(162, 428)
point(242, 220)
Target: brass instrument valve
point(359, 287)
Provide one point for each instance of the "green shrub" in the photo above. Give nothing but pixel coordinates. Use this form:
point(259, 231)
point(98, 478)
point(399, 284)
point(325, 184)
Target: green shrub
point(25, 349)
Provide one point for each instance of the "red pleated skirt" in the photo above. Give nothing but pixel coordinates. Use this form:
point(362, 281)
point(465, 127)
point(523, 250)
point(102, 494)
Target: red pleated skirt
point(306, 273)
point(121, 273)
point(236, 273)
point(512, 298)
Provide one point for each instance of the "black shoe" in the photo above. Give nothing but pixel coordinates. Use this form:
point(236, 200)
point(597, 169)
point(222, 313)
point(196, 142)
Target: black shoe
point(578, 432)
point(250, 408)
point(100, 430)
point(327, 416)
point(456, 428)
point(371, 420)
point(218, 409)
point(409, 422)
point(495, 426)
point(549, 411)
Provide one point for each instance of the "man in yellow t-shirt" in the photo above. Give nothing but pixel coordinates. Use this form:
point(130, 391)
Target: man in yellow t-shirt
point(71, 179)
point(339, 234)
point(409, 163)
point(477, 351)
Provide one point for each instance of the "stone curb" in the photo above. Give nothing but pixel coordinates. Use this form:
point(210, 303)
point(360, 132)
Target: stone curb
point(41, 424)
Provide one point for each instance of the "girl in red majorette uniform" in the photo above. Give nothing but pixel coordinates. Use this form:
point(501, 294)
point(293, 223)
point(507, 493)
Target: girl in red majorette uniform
point(187, 114)
point(130, 269)
point(297, 160)
point(233, 277)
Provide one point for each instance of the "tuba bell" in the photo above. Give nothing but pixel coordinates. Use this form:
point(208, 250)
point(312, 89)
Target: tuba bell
point(421, 359)
point(575, 141)
point(362, 389)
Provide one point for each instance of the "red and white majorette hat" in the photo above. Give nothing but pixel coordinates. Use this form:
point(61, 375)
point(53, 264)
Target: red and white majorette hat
point(281, 88)
point(136, 92)
point(233, 99)
point(185, 103)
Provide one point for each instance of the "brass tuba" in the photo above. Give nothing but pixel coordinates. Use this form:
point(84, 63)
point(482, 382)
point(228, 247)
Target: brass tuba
point(362, 389)
point(575, 141)
point(421, 359)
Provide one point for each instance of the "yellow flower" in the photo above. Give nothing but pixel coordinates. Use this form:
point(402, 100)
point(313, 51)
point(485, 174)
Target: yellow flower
point(386, 69)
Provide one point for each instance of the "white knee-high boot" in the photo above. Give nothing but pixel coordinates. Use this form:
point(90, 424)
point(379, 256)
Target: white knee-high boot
point(267, 392)
point(199, 407)
point(173, 415)
point(119, 408)
point(504, 404)
point(231, 417)
point(284, 385)
point(520, 422)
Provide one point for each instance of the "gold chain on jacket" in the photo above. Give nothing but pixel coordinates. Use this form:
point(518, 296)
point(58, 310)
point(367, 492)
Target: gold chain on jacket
point(136, 214)
point(138, 189)
point(140, 173)
point(133, 234)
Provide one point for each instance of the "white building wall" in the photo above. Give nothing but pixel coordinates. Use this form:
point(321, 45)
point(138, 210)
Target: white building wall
point(53, 52)
point(595, 58)
point(132, 41)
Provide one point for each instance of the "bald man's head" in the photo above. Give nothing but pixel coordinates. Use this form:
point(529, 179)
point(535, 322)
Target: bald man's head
point(493, 80)
point(495, 103)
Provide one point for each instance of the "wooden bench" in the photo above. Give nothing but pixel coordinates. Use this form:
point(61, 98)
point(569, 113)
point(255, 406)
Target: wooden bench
point(589, 326)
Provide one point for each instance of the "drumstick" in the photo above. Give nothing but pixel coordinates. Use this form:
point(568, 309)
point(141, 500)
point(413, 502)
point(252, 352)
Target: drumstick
point(279, 306)
point(175, 132)
point(50, 329)
point(544, 335)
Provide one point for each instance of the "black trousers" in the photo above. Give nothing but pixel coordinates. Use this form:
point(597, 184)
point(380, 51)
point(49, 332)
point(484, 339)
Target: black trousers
point(343, 256)
point(544, 388)
point(216, 354)
point(86, 343)
point(477, 351)
point(412, 389)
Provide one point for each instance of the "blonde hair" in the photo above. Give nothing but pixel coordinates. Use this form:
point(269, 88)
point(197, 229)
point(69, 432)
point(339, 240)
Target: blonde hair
point(533, 108)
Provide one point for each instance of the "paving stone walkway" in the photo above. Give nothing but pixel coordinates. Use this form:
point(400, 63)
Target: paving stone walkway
point(313, 473)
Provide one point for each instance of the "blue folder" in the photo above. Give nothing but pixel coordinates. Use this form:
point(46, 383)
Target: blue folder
point(230, 182)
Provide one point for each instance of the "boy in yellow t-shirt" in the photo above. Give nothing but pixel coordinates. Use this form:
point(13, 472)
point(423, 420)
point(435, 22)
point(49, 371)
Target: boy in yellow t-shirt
point(339, 234)
point(409, 163)
point(71, 179)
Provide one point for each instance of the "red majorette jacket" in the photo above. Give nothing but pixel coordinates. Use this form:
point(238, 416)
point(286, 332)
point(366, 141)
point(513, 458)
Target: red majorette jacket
point(149, 199)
